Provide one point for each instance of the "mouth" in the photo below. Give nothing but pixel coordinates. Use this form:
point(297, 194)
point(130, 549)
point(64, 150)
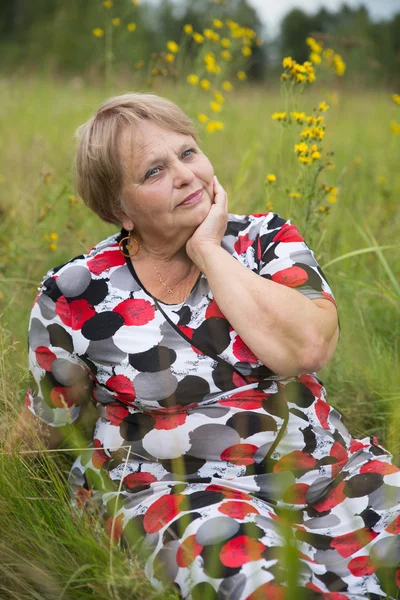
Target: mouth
point(192, 198)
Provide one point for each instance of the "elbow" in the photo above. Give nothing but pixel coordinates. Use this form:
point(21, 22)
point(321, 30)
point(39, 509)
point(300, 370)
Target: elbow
point(318, 353)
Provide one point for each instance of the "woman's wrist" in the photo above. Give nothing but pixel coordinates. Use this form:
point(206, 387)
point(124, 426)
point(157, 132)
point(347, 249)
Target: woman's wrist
point(202, 254)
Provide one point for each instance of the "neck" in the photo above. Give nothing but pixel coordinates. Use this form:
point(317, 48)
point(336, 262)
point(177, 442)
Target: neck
point(163, 254)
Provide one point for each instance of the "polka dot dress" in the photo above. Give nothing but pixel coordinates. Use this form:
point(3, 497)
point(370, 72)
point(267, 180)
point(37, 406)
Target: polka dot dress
point(230, 480)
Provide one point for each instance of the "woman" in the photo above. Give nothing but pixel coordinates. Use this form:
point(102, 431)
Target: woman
point(196, 334)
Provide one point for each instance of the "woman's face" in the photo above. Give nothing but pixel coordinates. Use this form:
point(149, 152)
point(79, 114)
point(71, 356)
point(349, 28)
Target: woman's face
point(160, 169)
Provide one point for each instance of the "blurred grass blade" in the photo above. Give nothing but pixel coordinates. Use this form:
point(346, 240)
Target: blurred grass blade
point(377, 249)
point(384, 262)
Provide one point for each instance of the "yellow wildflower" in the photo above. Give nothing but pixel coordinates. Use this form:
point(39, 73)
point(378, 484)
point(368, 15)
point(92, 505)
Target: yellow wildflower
point(139, 64)
point(323, 106)
point(381, 180)
point(328, 55)
point(72, 199)
point(302, 147)
point(226, 43)
point(131, 26)
point(279, 116)
point(271, 178)
point(227, 86)
point(53, 237)
point(316, 155)
point(311, 78)
point(219, 97)
point(269, 206)
point(205, 84)
point(208, 33)
point(284, 76)
point(295, 195)
point(202, 118)
point(172, 46)
point(246, 51)
point(307, 160)
point(226, 55)
point(107, 3)
point(217, 24)
point(321, 208)
point(241, 75)
point(357, 160)
point(298, 116)
point(395, 127)
point(214, 126)
point(155, 71)
point(314, 45)
point(53, 246)
point(198, 38)
point(116, 21)
point(315, 58)
point(396, 98)
point(232, 24)
point(188, 29)
point(287, 62)
point(214, 69)
point(215, 106)
point(170, 57)
point(332, 199)
point(193, 79)
point(300, 78)
point(97, 32)
point(339, 65)
point(314, 148)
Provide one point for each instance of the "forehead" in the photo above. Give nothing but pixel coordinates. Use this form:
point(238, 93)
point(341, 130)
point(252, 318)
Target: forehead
point(146, 139)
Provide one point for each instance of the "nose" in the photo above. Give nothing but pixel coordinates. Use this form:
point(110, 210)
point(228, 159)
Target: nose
point(183, 174)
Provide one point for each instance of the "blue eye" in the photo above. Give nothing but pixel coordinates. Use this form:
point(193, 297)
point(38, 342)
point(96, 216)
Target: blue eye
point(192, 150)
point(149, 173)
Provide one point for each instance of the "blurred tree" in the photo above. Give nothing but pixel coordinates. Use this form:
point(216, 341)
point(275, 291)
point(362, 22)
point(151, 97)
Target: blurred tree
point(201, 14)
point(295, 28)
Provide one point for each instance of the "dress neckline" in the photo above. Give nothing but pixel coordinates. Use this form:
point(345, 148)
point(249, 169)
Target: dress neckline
point(131, 268)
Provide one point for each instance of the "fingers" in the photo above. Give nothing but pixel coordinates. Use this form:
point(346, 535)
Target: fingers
point(220, 196)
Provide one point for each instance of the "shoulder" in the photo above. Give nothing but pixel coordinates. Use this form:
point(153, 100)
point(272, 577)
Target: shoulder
point(72, 278)
point(245, 231)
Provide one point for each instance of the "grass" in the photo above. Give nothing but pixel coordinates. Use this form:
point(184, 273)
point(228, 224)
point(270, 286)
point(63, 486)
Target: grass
point(46, 551)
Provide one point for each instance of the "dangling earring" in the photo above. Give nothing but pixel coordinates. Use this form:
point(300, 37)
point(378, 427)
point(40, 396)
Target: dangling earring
point(128, 246)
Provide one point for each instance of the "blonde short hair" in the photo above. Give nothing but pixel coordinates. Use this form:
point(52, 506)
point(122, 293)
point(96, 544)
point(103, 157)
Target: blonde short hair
point(98, 170)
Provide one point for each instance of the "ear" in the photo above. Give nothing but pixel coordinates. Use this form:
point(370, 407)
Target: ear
point(127, 223)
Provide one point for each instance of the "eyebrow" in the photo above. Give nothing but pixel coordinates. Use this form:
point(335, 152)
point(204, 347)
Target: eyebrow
point(155, 159)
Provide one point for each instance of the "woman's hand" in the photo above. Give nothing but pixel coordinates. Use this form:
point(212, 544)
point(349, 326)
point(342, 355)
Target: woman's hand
point(212, 229)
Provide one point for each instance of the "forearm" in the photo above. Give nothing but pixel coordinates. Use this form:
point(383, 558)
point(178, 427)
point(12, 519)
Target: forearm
point(277, 323)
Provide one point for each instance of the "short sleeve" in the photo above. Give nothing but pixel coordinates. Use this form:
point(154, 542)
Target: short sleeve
point(60, 382)
point(284, 257)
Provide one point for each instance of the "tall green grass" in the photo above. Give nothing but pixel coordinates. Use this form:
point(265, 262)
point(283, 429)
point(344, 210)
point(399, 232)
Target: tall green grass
point(45, 550)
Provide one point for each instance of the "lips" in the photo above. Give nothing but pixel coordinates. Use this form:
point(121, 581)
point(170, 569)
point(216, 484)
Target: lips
point(192, 196)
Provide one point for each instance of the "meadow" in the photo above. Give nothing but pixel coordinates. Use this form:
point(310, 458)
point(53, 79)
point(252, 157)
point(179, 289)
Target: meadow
point(45, 551)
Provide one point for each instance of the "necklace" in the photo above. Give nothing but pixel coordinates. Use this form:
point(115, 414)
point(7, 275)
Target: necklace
point(167, 287)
